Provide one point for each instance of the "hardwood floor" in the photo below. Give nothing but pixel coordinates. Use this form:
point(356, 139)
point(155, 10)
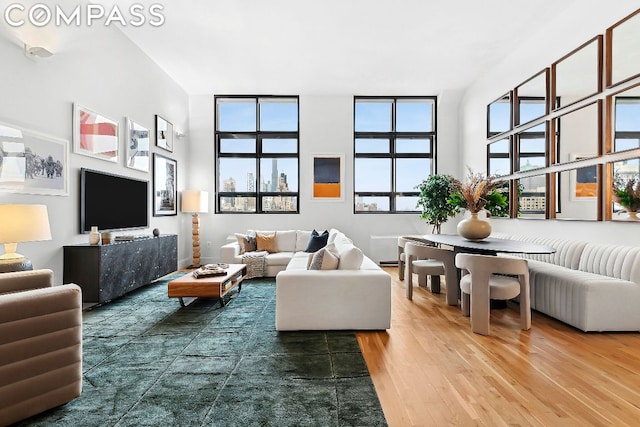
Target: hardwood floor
point(429, 369)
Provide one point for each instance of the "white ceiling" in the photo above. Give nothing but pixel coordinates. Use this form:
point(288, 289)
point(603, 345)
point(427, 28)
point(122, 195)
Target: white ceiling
point(336, 46)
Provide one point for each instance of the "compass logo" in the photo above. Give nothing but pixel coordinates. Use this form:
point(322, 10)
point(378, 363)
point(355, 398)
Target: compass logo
point(41, 15)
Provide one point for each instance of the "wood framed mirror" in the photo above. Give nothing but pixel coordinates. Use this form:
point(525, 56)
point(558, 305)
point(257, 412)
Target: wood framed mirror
point(499, 114)
point(623, 47)
point(531, 98)
point(577, 75)
point(578, 134)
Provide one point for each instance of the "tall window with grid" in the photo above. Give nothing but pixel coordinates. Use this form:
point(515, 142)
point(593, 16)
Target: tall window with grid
point(394, 144)
point(256, 140)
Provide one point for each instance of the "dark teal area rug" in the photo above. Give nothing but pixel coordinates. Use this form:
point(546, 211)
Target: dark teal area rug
point(149, 362)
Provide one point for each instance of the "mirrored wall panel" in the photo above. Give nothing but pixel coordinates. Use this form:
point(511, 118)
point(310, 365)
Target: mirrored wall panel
point(626, 190)
point(625, 49)
point(626, 120)
point(531, 144)
point(499, 115)
point(577, 194)
point(499, 157)
point(578, 134)
point(532, 197)
point(532, 98)
point(577, 75)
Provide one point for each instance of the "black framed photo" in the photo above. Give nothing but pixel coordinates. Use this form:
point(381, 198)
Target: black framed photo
point(165, 174)
point(164, 134)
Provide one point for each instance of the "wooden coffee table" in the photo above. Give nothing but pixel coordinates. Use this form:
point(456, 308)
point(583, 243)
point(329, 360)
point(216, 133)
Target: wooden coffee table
point(208, 287)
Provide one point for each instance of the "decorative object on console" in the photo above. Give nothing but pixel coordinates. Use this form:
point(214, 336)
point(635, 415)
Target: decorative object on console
point(95, 238)
point(107, 238)
point(137, 146)
point(21, 223)
point(473, 197)
point(33, 163)
point(195, 202)
point(156, 232)
point(165, 172)
point(317, 241)
point(164, 134)
point(95, 135)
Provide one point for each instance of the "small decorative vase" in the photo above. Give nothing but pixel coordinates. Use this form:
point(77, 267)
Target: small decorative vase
point(107, 238)
point(474, 229)
point(633, 216)
point(94, 236)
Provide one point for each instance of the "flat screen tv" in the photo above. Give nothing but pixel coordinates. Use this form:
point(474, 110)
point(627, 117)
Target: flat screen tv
point(112, 202)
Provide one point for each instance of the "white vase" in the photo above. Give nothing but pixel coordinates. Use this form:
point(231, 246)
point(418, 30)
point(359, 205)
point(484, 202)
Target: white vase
point(473, 228)
point(94, 236)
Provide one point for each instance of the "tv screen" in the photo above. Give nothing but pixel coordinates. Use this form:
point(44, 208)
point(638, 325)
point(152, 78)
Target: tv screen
point(112, 202)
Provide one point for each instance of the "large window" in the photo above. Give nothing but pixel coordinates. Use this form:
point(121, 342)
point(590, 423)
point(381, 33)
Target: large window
point(256, 141)
point(394, 141)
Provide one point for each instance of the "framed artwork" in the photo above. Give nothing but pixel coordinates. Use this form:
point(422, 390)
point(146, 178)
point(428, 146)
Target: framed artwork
point(137, 146)
point(164, 134)
point(94, 135)
point(32, 162)
point(584, 181)
point(328, 177)
point(165, 174)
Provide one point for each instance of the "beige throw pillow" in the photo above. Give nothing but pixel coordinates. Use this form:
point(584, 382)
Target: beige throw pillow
point(266, 242)
point(326, 258)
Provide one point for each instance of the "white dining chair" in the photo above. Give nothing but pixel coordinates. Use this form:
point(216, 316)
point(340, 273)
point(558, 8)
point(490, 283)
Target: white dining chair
point(401, 255)
point(426, 261)
point(487, 277)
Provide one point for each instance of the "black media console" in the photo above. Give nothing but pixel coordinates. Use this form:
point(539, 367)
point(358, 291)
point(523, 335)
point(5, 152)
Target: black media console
point(106, 272)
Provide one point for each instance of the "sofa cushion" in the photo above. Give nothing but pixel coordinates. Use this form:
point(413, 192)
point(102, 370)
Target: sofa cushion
point(317, 241)
point(286, 240)
point(279, 258)
point(350, 257)
point(326, 258)
point(302, 240)
point(621, 262)
point(246, 242)
point(266, 242)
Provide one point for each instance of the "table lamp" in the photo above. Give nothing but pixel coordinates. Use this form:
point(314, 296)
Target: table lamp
point(21, 223)
point(195, 202)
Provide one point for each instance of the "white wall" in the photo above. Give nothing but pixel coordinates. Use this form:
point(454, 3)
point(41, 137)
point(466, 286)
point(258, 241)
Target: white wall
point(100, 69)
point(326, 126)
point(564, 33)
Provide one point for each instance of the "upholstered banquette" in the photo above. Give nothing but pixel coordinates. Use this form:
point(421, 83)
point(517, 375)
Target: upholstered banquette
point(592, 286)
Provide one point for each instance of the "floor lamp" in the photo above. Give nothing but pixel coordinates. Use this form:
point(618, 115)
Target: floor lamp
point(21, 223)
point(195, 202)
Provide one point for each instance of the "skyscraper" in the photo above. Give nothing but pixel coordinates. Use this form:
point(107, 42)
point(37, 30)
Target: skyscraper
point(274, 174)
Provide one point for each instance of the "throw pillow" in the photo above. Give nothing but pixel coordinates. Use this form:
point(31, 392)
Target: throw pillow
point(324, 259)
point(350, 258)
point(246, 242)
point(317, 241)
point(266, 242)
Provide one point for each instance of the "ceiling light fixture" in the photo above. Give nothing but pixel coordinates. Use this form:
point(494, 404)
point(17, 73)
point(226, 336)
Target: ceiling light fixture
point(36, 51)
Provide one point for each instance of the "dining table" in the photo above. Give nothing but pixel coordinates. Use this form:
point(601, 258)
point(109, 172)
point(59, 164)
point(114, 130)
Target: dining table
point(487, 246)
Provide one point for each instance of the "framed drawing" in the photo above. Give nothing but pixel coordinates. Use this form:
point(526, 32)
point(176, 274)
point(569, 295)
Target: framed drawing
point(32, 162)
point(328, 177)
point(137, 146)
point(164, 134)
point(94, 135)
point(584, 181)
point(165, 173)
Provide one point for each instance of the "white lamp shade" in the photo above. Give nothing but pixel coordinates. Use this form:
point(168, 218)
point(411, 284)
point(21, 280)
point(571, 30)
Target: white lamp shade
point(24, 223)
point(195, 201)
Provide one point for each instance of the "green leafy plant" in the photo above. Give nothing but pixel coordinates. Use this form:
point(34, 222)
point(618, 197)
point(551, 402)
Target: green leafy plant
point(627, 193)
point(433, 199)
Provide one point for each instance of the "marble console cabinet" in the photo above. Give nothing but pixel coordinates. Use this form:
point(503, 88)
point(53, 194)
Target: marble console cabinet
point(105, 272)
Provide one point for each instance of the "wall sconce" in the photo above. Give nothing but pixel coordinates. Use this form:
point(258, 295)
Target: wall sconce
point(195, 201)
point(21, 223)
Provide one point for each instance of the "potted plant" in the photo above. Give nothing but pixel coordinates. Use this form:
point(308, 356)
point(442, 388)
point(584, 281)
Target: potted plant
point(627, 194)
point(477, 193)
point(434, 194)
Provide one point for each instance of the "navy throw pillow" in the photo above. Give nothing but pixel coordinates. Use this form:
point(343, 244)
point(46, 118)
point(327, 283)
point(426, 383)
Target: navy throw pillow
point(317, 241)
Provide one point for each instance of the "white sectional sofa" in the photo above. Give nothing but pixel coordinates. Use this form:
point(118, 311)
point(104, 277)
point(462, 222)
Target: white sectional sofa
point(594, 287)
point(355, 296)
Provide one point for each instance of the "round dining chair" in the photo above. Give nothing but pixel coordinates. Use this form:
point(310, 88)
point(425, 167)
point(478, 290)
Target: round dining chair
point(429, 261)
point(487, 277)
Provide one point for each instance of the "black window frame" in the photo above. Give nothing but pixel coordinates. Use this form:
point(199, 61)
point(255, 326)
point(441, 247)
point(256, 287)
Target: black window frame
point(258, 155)
point(392, 136)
